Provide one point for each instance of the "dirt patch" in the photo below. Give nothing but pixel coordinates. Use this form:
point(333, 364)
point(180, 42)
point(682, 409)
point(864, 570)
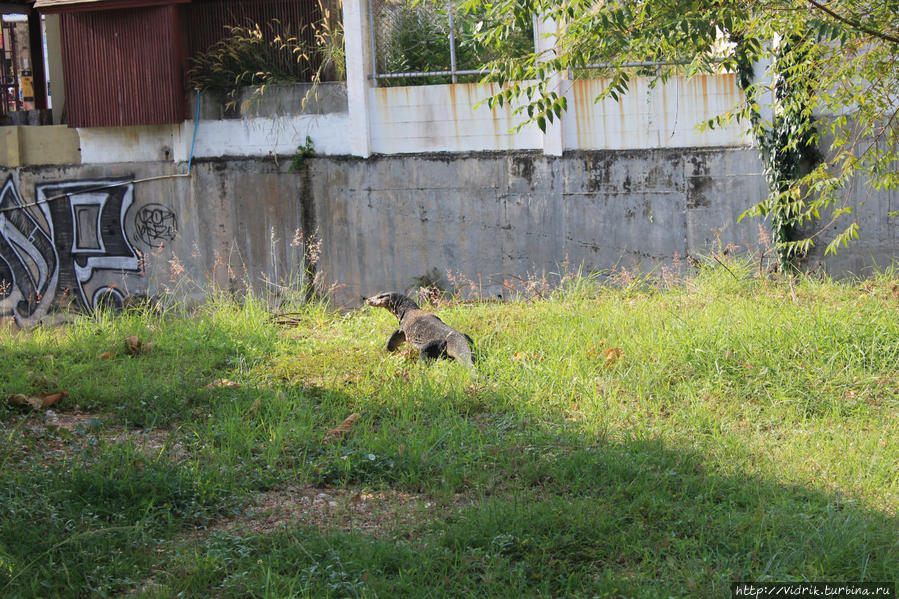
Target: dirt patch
point(61, 434)
point(352, 510)
point(70, 421)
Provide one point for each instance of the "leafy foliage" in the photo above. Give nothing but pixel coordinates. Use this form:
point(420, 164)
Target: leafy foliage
point(828, 72)
point(307, 150)
point(789, 151)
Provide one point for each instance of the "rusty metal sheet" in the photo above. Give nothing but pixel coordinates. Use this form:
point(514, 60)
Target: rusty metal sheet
point(124, 67)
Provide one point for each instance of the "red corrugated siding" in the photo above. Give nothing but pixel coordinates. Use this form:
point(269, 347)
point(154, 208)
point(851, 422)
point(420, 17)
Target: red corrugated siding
point(123, 67)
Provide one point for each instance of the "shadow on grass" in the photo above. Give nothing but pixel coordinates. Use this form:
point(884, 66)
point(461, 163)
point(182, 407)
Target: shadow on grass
point(634, 518)
point(157, 383)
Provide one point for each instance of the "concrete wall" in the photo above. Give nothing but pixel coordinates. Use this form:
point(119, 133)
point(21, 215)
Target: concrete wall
point(404, 181)
point(105, 232)
point(444, 118)
point(425, 119)
point(499, 216)
point(101, 234)
point(272, 123)
point(25, 145)
point(664, 116)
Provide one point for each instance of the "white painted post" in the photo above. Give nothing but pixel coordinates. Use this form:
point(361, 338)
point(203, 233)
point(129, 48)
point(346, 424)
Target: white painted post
point(545, 40)
point(358, 67)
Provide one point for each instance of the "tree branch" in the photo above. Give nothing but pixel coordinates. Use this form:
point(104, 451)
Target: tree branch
point(851, 23)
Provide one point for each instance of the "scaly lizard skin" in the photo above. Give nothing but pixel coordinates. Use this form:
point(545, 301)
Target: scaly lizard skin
point(426, 332)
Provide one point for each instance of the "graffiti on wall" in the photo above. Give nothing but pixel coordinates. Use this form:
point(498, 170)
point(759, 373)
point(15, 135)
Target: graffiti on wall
point(28, 259)
point(72, 245)
point(155, 224)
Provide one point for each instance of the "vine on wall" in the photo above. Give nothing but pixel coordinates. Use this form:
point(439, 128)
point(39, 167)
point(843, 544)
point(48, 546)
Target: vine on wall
point(788, 145)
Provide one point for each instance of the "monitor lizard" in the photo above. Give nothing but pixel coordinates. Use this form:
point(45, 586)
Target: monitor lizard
point(425, 331)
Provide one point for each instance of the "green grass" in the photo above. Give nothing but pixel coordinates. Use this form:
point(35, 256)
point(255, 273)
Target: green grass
point(744, 432)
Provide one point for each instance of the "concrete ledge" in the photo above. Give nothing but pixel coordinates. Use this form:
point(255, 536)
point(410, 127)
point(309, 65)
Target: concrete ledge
point(32, 146)
point(273, 100)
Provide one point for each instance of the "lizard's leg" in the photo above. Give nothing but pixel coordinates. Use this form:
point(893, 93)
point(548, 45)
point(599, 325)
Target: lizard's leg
point(432, 350)
point(396, 339)
point(459, 347)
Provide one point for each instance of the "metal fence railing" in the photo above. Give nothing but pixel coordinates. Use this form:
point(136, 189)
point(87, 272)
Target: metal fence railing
point(430, 41)
point(418, 42)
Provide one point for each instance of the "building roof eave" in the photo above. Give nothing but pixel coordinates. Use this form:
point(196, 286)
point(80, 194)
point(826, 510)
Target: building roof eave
point(67, 6)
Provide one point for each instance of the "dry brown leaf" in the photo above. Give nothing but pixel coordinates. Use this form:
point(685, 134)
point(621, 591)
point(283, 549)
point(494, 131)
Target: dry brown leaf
point(613, 354)
point(223, 384)
point(18, 399)
point(256, 404)
point(133, 343)
point(342, 428)
point(107, 355)
point(48, 399)
point(42, 400)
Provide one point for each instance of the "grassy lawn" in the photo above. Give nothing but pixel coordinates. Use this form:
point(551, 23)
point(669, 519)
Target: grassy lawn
point(638, 441)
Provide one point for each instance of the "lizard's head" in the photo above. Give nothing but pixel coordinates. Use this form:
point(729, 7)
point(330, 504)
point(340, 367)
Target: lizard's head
point(396, 303)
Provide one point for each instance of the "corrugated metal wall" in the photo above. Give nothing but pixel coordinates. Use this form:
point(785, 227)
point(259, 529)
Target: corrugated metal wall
point(124, 67)
point(127, 66)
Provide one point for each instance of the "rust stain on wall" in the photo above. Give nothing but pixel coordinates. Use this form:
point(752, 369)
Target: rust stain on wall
point(454, 110)
point(704, 83)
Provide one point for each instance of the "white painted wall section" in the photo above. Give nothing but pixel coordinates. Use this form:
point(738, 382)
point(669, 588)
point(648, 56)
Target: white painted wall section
point(229, 137)
point(665, 116)
point(104, 145)
point(358, 66)
point(447, 118)
point(545, 43)
point(444, 118)
point(269, 136)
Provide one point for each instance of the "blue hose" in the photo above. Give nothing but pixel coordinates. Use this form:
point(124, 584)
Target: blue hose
point(196, 126)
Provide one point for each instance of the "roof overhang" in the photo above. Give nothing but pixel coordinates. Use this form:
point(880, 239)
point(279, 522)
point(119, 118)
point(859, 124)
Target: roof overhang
point(15, 7)
point(67, 6)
